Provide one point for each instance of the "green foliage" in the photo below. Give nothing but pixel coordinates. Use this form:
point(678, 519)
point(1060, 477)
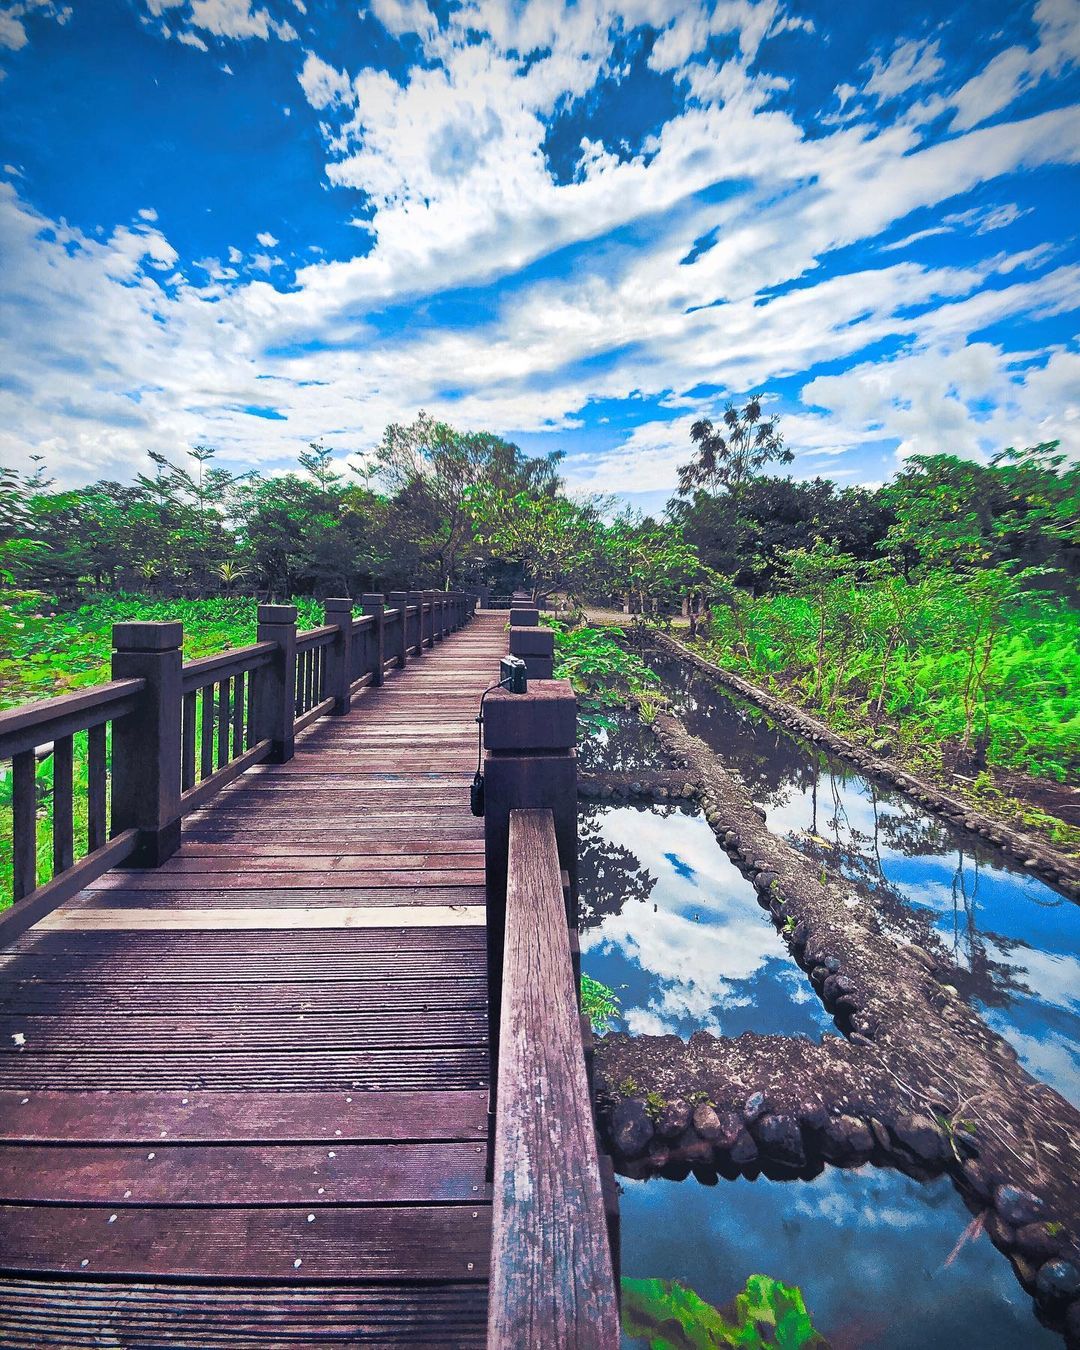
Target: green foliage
point(603, 671)
point(975, 667)
point(599, 1003)
point(670, 1316)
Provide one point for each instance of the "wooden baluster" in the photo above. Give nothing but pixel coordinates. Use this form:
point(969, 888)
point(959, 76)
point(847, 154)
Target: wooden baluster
point(24, 822)
point(187, 750)
point(63, 790)
point(206, 740)
point(96, 787)
point(223, 723)
point(239, 683)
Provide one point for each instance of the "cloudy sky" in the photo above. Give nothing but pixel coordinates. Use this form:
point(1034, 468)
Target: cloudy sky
point(257, 224)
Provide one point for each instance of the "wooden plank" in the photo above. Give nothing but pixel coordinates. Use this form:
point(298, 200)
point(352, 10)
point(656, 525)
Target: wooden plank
point(164, 879)
point(406, 1068)
point(551, 1278)
point(230, 1117)
point(224, 861)
point(234, 1175)
point(434, 989)
point(36, 1313)
point(420, 1242)
point(346, 893)
point(179, 1033)
point(333, 847)
point(330, 916)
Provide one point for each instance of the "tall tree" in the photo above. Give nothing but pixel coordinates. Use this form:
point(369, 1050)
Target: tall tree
point(728, 457)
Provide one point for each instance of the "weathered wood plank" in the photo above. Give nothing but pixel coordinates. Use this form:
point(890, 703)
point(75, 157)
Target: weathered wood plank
point(34, 1313)
point(237, 1175)
point(414, 1242)
point(327, 916)
point(230, 1117)
point(551, 1277)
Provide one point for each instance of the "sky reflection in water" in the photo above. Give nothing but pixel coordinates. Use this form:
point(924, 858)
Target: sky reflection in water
point(674, 928)
point(867, 1248)
point(1017, 940)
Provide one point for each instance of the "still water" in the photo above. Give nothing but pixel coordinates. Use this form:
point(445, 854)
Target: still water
point(673, 927)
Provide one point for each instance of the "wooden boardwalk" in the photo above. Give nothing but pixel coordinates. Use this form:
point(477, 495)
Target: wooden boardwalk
point(243, 1096)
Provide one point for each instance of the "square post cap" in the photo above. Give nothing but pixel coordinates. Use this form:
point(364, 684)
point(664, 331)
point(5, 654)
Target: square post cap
point(338, 605)
point(532, 642)
point(543, 719)
point(277, 614)
point(157, 635)
point(524, 616)
point(373, 601)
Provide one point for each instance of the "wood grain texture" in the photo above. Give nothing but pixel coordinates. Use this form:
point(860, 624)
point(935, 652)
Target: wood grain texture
point(407, 1242)
point(551, 1273)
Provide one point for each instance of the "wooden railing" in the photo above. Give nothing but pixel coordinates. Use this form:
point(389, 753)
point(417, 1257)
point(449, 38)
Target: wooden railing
point(166, 735)
point(552, 1277)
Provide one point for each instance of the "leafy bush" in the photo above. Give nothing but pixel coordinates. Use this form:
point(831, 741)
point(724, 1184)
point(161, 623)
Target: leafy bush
point(978, 666)
point(604, 673)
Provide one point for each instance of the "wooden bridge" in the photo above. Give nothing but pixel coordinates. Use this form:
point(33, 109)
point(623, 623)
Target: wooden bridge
point(252, 1087)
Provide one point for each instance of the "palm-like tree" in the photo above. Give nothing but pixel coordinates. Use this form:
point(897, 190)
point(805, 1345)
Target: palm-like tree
point(730, 456)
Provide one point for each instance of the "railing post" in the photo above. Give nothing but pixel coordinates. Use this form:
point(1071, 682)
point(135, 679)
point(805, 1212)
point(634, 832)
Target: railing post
point(529, 762)
point(375, 605)
point(536, 647)
point(146, 743)
point(338, 611)
point(417, 598)
point(275, 685)
point(399, 600)
point(524, 616)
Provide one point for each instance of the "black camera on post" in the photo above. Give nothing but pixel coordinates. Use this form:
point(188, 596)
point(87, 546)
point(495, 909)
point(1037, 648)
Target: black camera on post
point(512, 675)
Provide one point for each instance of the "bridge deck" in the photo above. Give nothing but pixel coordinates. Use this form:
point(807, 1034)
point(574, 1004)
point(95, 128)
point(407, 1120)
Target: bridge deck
point(243, 1096)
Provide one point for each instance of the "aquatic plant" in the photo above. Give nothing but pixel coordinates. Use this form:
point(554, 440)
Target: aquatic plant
point(599, 1003)
point(670, 1316)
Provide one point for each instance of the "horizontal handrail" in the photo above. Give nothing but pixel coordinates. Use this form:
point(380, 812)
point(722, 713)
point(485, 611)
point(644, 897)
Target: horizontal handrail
point(551, 1279)
point(49, 719)
point(24, 913)
point(316, 637)
point(238, 661)
point(363, 621)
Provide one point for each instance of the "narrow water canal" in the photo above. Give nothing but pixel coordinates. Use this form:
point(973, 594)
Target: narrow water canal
point(669, 922)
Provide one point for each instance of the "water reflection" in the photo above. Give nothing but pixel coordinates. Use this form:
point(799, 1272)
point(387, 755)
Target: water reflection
point(672, 925)
point(1014, 939)
point(868, 1249)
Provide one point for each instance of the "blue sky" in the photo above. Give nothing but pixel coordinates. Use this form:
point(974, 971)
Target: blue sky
point(255, 225)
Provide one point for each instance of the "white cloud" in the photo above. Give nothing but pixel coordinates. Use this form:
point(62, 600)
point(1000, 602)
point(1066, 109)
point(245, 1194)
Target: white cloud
point(910, 64)
point(266, 239)
point(190, 39)
point(238, 19)
point(405, 16)
point(324, 87)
